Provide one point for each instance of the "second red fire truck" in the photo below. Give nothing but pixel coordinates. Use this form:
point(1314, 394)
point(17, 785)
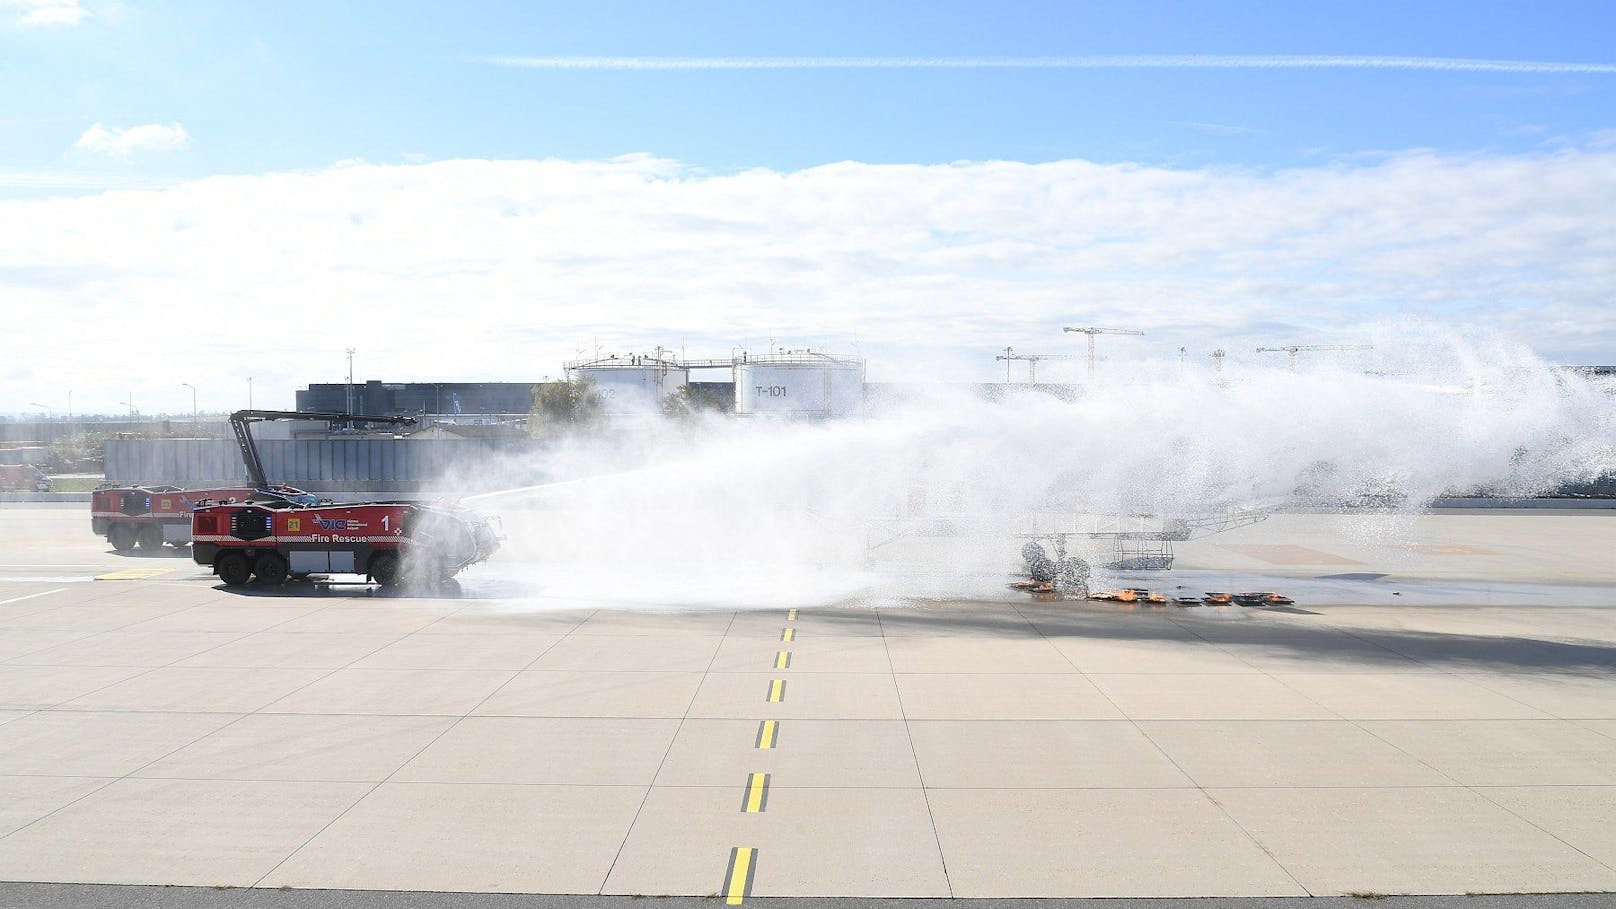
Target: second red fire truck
point(149, 516)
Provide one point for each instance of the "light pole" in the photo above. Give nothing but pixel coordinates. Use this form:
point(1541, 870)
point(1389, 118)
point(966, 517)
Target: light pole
point(130, 404)
point(193, 402)
point(41, 407)
point(249, 392)
point(348, 397)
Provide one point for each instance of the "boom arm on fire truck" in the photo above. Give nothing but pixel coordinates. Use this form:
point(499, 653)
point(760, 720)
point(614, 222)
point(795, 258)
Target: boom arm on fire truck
point(241, 422)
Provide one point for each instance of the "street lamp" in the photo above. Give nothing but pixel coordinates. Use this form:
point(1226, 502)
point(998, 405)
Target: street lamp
point(130, 404)
point(193, 402)
point(41, 407)
point(249, 392)
point(348, 395)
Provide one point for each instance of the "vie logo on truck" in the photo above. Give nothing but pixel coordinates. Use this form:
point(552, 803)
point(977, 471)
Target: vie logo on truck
point(339, 523)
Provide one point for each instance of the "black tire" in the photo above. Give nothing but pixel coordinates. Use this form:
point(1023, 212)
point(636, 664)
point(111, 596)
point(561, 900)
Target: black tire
point(384, 569)
point(150, 537)
point(270, 569)
point(121, 537)
point(436, 571)
point(232, 568)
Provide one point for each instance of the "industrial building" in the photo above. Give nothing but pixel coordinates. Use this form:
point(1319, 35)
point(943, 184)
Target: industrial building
point(633, 385)
point(799, 384)
point(802, 384)
point(398, 398)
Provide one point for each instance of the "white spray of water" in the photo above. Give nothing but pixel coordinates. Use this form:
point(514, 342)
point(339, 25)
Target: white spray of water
point(733, 512)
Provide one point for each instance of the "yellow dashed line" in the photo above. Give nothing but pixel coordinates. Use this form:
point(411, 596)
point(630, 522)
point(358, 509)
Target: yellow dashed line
point(791, 615)
point(133, 574)
point(782, 659)
point(788, 634)
point(738, 879)
point(777, 691)
point(757, 793)
point(768, 733)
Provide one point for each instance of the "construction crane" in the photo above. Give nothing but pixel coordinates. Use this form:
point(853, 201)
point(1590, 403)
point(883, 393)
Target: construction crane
point(1091, 332)
point(1032, 362)
point(1291, 349)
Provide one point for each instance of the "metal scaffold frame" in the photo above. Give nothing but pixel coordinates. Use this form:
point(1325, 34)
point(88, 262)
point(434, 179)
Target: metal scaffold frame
point(1145, 542)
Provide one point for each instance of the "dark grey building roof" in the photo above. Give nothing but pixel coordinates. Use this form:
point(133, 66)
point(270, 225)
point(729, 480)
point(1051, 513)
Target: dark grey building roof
point(391, 398)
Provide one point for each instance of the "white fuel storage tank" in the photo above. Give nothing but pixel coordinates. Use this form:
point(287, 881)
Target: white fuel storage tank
point(631, 386)
point(799, 384)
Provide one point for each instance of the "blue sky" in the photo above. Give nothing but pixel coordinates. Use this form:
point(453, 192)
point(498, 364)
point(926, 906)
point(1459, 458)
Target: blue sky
point(626, 174)
point(301, 85)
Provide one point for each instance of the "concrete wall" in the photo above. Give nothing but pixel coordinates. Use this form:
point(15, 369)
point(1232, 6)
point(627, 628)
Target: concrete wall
point(314, 464)
point(24, 455)
point(370, 463)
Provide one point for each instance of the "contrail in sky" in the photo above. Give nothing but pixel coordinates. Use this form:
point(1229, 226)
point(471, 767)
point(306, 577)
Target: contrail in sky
point(1177, 61)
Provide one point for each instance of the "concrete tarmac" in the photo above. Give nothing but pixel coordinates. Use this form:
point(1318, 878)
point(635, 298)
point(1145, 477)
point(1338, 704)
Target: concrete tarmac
point(101, 896)
point(159, 729)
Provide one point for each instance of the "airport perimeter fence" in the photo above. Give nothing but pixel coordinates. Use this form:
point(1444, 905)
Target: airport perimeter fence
point(320, 465)
point(1604, 487)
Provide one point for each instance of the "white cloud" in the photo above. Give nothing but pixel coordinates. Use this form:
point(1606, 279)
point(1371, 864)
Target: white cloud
point(478, 269)
point(57, 178)
point(46, 12)
point(1123, 61)
point(121, 142)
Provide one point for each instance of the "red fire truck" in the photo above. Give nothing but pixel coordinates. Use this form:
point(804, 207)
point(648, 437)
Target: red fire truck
point(272, 537)
point(388, 542)
point(150, 516)
point(24, 476)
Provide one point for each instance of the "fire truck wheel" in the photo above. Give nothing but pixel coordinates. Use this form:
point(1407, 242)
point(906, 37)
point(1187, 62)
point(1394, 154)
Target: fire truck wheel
point(232, 568)
point(270, 569)
point(432, 571)
point(122, 537)
point(384, 569)
point(151, 537)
